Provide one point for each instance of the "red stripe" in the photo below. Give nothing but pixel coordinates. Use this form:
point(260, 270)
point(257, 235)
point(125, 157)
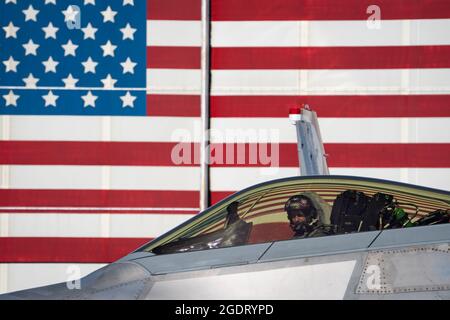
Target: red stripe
point(352, 155)
point(174, 9)
point(392, 57)
point(98, 198)
point(92, 153)
point(255, 10)
point(173, 105)
point(216, 196)
point(333, 106)
point(136, 153)
point(64, 250)
point(173, 57)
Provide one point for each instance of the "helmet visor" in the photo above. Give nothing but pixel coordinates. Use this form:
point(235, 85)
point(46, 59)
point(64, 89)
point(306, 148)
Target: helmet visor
point(298, 213)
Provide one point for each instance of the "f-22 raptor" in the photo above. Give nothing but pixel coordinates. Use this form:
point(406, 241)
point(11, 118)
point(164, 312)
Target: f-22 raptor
point(315, 236)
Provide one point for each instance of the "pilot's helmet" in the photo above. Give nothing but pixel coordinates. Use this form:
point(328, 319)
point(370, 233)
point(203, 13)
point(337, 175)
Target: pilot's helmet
point(300, 205)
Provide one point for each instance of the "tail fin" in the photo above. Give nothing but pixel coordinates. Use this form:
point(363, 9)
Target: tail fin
point(311, 152)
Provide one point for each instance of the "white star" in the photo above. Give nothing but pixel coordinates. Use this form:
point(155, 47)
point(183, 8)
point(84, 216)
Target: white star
point(11, 30)
point(69, 48)
point(11, 64)
point(10, 1)
point(50, 99)
point(128, 66)
point(30, 81)
point(86, 2)
point(108, 49)
point(11, 99)
point(130, 2)
point(30, 13)
point(50, 65)
point(128, 100)
point(30, 48)
point(128, 32)
point(89, 31)
point(50, 1)
point(70, 14)
point(108, 14)
point(50, 31)
point(70, 81)
point(89, 65)
point(109, 82)
point(89, 100)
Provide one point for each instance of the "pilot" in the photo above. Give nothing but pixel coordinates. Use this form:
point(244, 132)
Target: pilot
point(303, 217)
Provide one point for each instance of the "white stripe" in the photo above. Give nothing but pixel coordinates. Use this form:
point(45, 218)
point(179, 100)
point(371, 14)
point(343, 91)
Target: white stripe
point(234, 179)
point(4, 225)
point(327, 33)
point(329, 82)
point(90, 177)
point(176, 81)
point(69, 128)
point(177, 129)
point(437, 178)
point(256, 33)
point(334, 130)
point(22, 276)
point(337, 130)
point(144, 226)
point(5, 127)
point(174, 33)
point(90, 225)
point(3, 278)
point(4, 176)
point(157, 129)
point(73, 128)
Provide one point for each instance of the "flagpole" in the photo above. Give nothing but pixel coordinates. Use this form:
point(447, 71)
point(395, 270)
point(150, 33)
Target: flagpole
point(205, 65)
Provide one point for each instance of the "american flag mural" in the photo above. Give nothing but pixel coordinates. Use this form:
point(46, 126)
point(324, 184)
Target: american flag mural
point(90, 96)
point(91, 93)
point(380, 91)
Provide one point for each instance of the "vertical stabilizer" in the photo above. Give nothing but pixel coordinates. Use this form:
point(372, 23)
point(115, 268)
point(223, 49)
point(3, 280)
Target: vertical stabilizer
point(311, 152)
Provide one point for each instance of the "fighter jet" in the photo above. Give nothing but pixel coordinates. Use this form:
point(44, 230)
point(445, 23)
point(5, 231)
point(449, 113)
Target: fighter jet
point(314, 236)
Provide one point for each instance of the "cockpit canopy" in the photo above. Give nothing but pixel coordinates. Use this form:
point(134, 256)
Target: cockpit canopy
point(342, 205)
